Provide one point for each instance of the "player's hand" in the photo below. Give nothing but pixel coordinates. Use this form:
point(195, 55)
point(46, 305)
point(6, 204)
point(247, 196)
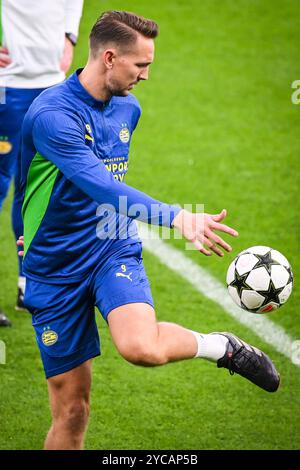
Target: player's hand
point(20, 242)
point(5, 60)
point(200, 230)
point(67, 57)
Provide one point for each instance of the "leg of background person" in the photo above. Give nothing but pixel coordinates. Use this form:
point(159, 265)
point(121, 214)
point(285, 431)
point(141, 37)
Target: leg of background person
point(17, 223)
point(7, 164)
point(5, 176)
point(69, 395)
point(142, 340)
point(11, 119)
point(10, 125)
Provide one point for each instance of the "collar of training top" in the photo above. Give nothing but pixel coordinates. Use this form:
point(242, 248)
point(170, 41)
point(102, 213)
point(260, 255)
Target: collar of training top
point(76, 87)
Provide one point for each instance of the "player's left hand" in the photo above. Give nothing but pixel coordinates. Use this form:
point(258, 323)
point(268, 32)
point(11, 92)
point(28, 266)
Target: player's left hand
point(20, 242)
point(200, 230)
point(67, 57)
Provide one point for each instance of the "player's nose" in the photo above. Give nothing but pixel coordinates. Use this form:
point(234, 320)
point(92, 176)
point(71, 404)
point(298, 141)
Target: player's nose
point(144, 74)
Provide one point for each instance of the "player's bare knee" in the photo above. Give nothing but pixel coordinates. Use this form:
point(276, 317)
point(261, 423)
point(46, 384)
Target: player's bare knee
point(142, 353)
point(75, 416)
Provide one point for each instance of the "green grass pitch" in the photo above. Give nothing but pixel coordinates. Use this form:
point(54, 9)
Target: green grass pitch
point(218, 127)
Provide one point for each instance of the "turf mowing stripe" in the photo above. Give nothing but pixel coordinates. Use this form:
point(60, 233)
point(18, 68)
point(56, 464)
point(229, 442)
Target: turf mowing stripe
point(211, 288)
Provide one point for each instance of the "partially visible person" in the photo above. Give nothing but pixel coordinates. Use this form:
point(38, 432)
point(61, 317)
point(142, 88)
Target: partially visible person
point(81, 244)
point(36, 51)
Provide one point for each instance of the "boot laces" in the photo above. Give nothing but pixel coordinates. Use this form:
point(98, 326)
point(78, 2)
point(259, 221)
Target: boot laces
point(247, 361)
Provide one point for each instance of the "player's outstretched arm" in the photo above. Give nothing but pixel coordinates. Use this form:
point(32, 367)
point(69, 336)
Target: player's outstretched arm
point(200, 230)
point(65, 147)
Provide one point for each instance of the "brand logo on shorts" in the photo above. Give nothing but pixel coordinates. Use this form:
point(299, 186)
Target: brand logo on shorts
point(122, 274)
point(49, 337)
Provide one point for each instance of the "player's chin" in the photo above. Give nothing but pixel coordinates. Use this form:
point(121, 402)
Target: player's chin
point(122, 92)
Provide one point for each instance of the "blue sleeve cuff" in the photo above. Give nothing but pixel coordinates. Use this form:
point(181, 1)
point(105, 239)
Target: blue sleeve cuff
point(154, 213)
point(163, 214)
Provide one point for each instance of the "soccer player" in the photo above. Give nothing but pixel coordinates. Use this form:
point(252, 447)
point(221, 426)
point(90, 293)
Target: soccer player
point(81, 246)
point(37, 50)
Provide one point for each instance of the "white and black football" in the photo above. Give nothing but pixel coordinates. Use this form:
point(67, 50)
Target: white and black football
point(260, 279)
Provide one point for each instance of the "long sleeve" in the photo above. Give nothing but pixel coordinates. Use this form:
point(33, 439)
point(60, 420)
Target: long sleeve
point(59, 137)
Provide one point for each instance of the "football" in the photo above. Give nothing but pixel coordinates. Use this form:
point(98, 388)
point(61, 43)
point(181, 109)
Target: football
point(260, 279)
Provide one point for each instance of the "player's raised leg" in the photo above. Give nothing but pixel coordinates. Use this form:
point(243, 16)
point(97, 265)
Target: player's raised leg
point(141, 340)
point(69, 395)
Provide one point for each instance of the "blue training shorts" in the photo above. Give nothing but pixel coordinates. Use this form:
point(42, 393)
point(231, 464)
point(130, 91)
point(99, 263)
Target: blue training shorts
point(63, 315)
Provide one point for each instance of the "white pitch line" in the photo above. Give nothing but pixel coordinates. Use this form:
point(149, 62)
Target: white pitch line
point(211, 288)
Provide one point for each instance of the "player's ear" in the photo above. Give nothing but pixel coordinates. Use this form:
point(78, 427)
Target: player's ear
point(109, 57)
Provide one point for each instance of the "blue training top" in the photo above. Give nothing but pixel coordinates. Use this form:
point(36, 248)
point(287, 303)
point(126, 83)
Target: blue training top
point(77, 209)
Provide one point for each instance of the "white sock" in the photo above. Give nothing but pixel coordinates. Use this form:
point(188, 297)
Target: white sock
point(211, 347)
point(22, 283)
